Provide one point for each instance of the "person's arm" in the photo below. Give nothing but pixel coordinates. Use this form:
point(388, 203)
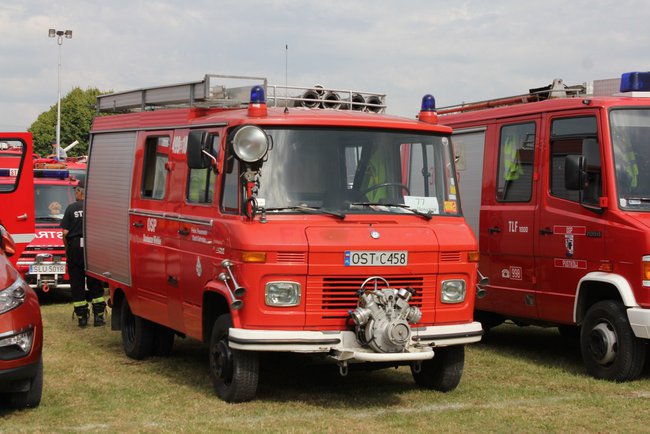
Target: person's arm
point(65, 239)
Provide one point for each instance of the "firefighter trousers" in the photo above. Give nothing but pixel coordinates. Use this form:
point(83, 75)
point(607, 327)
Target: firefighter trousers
point(78, 283)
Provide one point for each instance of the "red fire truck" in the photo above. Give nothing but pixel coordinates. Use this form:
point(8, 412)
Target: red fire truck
point(285, 229)
point(556, 183)
point(42, 264)
point(21, 331)
point(17, 211)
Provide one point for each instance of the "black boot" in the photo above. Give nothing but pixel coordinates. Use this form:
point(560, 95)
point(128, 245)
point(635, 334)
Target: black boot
point(98, 314)
point(82, 315)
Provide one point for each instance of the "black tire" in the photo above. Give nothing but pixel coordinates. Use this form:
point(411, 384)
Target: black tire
point(137, 334)
point(32, 397)
point(610, 351)
point(443, 372)
point(234, 373)
point(163, 342)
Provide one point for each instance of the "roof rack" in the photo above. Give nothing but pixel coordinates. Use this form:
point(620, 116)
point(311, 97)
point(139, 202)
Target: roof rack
point(555, 90)
point(231, 91)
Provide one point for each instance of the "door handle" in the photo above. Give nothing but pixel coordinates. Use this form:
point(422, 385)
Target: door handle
point(183, 232)
point(546, 231)
point(495, 229)
point(138, 224)
point(172, 280)
point(21, 218)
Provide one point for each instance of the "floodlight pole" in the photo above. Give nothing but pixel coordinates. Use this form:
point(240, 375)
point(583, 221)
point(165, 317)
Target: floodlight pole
point(59, 34)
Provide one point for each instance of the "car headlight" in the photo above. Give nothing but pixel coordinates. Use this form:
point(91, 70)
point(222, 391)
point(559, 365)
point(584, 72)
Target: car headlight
point(282, 294)
point(453, 291)
point(13, 296)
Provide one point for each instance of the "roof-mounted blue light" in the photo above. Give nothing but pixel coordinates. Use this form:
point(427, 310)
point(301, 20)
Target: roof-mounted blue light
point(635, 82)
point(257, 95)
point(48, 173)
point(428, 103)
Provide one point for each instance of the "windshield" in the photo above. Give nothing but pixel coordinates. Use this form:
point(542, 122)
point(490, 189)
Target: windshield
point(358, 171)
point(630, 130)
point(52, 200)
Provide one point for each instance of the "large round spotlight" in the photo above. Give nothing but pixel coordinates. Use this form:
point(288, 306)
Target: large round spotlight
point(250, 143)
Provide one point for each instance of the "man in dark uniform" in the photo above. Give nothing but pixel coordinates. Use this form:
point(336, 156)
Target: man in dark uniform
point(72, 225)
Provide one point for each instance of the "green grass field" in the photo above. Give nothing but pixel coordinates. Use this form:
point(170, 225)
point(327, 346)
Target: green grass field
point(516, 380)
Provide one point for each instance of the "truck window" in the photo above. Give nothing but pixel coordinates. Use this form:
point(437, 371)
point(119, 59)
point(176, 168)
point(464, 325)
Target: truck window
point(200, 182)
point(630, 129)
point(516, 158)
point(575, 136)
point(154, 176)
point(352, 171)
point(11, 158)
point(230, 198)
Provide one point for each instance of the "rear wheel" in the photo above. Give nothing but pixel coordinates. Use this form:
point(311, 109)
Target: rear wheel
point(235, 373)
point(137, 334)
point(32, 397)
point(443, 372)
point(610, 351)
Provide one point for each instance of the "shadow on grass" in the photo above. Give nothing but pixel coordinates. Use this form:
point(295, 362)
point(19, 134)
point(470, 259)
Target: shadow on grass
point(540, 345)
point(283, 377)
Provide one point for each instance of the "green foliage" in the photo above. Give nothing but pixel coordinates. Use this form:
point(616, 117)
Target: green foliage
point(77, 113)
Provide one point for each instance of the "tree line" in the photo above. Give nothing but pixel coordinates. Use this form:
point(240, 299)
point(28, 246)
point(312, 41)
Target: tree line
point(77, 113)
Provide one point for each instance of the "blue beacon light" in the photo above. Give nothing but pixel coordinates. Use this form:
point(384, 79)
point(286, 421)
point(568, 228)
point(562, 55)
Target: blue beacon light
point(257, 105)
point(635, 82)
point(428, 110)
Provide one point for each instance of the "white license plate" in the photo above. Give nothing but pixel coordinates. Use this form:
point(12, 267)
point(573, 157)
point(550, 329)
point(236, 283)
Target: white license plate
point(376, 258)
point(47, 269)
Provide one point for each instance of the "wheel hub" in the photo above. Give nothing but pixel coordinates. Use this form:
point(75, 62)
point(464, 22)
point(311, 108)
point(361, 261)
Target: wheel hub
point(603, 343)
point(222, 356)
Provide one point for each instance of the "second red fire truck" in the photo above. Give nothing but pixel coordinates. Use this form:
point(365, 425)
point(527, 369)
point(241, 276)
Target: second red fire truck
point(42, 263)
point(556, 184)
point(280, 229)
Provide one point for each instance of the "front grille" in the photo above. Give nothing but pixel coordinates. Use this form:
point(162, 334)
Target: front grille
point(332, 297)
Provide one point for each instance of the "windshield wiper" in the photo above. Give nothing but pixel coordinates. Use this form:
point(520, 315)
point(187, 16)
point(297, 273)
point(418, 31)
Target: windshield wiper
point(307, 209)
point(639, 198)
point(49, 219)
point(426, 215)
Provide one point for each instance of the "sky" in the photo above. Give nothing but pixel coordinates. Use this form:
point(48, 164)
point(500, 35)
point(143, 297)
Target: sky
point(459, 51)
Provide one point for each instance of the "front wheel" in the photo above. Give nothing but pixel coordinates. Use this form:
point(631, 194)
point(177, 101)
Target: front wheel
point(443, 372)
point(610, 351)
point(235, 373)
point(32, 397)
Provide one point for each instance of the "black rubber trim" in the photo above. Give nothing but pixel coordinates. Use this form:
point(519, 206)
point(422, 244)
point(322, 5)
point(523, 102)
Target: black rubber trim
point(448, 336)
point(283, 341)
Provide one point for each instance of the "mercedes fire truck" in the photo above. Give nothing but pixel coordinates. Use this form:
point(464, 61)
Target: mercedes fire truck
point(556, 185)
point(280, 228)
point(42, 263)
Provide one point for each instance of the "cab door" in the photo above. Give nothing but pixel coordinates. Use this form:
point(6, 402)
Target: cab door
point(153, 231)
point(570, 224)
point(17, 189)
point(507, 219)
point(201, 243)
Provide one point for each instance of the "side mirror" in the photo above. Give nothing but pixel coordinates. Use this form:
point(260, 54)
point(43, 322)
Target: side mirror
point(573, 172)
point(198, 150)
point(7, 242)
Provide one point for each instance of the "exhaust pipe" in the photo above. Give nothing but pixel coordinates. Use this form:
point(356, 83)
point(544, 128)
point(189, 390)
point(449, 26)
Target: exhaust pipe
point(331, 100)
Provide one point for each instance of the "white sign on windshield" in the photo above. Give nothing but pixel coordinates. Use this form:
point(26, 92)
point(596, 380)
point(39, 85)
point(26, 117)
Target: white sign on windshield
point(422, 204)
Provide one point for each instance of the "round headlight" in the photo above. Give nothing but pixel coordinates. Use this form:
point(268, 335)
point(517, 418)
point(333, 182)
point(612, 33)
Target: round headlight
point(250, 143)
